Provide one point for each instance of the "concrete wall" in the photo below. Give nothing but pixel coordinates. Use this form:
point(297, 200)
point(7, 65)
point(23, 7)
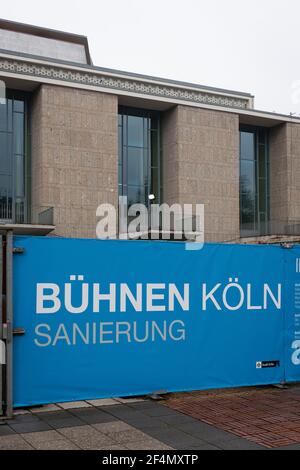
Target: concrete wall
point(285, 179)
point(74, 156)
point(201, 165)
point(278, 178)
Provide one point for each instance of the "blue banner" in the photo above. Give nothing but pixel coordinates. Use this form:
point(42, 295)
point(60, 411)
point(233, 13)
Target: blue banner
point(292, 314)
point(117, 318)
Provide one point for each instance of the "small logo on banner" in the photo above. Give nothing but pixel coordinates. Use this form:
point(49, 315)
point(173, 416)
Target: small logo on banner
point(267, 364)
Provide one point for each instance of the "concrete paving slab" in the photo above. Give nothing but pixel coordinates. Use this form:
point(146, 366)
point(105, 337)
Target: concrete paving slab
point(74, 432)
point(5, 430)
point(103, 402)
point(113, 427)
point(128, 401)
point(14, 442)
point(36, 426)
point(61, 444)
point(87, 437)
point(65, 422)
point(74, 405)
point(132, 435)
point(20, 412)
point(148, 444)
point(45, 436)
point(45, 409)
point(238, 444)
point(92, 415)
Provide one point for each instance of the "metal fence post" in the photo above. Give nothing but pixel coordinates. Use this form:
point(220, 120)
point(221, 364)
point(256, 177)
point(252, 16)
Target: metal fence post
point(2, 345)
point(9, 324)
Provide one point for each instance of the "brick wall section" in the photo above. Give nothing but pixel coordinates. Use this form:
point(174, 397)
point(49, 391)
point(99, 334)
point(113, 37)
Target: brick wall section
point(285, 179)
point(201, 165)
point(74, 157)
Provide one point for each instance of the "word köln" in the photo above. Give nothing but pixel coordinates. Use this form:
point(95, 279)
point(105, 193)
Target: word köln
point(96, 298)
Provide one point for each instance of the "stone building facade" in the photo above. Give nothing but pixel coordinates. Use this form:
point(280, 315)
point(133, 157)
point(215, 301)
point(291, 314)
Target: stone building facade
point(74, 136)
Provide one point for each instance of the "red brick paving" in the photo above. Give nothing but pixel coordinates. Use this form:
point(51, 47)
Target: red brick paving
point(268, 416)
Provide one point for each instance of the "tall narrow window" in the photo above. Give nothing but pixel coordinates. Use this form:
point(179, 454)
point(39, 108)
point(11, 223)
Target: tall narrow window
point(139, 155)
point(254, 204)
point(13, 145)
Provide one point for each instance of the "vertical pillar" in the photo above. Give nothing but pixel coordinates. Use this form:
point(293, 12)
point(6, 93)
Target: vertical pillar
point(2, 344)
point(8, 326)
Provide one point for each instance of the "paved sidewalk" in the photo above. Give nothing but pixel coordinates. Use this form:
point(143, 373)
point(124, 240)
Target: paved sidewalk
point(241, 419)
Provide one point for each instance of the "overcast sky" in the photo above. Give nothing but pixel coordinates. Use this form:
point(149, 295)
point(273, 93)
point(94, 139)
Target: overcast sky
point(250, 46)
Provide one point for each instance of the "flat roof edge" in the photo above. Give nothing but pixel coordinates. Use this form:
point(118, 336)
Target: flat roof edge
point(133, 75)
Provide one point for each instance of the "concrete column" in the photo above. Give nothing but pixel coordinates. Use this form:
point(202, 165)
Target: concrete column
point(284, 179)
point(74, 157)
point(201, 166)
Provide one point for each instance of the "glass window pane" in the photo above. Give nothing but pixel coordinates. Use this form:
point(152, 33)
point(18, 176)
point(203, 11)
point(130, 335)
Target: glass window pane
point(5, 198)
point(6, 116)
point(19, 176)
point(120, 145)
point(136, 195)
point(254, 180)
point(154, 149)
point(19, 106)
point(262, 136)
point(5, 153)
point(3, 117)
point(138, 156)
point(247, 212)
point(5, 186)
point(18, 133)
point(155, 184)
point(247, 145)
point(154, 124)
point(247, 181)
point(136, 171)
point(262, 195)
point(135, 131)
point(262, 164)
point(19, 211)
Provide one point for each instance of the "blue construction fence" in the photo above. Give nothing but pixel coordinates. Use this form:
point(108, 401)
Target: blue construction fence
point(124, 318)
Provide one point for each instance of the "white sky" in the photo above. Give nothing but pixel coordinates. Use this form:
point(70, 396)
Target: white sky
point(250, 46)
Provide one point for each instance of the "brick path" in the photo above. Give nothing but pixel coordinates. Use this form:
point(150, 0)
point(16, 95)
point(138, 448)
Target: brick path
point(268, 417)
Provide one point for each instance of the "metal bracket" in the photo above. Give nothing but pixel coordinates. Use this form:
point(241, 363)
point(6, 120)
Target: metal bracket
point(287, 246)
point(19, 331)
point(18, 251)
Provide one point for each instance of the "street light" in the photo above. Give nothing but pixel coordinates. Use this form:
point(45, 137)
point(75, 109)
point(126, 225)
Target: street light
point(151, 198)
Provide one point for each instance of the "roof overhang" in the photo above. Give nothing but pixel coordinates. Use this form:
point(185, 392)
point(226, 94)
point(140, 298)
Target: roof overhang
point(36, 70)
point(18, 229)
point(28, 72)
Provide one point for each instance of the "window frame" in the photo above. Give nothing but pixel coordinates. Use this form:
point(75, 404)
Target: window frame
point(149, 116)
point(260, 227)
point(25, 97)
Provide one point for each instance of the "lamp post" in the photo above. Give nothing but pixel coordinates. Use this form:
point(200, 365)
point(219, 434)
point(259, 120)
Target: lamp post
point(151, 198)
